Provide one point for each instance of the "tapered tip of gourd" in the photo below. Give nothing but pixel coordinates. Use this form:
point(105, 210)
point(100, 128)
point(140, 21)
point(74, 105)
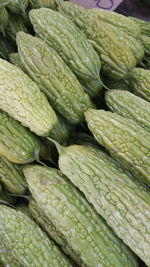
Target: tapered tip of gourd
point(59, 147)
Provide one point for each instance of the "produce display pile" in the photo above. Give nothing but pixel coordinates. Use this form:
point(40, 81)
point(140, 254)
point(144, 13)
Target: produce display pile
point(74, 136)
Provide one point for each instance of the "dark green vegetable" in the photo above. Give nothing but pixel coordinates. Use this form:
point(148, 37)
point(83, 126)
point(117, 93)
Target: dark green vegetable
point(18, 6)
point(3, 20)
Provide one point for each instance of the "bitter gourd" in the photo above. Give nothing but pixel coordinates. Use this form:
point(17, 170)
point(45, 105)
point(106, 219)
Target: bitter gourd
point(114, 193)
point(81, 226)
point(21, 98)
point(3, 20)
point(146, 44)
point(121, 22)
point(71, 44)
point(17, 143)
point(5, 47)
point(15, 24)
point(126, 141)
point(144, 25)
point(12, 177)
point(18, 6)
point(55, 79)
point(92, 88)
point(42, 3)
point(15, 59)
point(117, 59)
point(139, 83)
point(52, 231)
point(23, 243)
point(129, 106)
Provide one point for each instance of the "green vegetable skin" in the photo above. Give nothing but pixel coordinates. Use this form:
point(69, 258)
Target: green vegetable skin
point(55, 79)
point(117, 59)
point(42, 3)
point(3, 20)
point(18, 6)
point(140, 83)
point(15, 59)
point(23, 243)
point(115, 195)
point(84, 230)
point(12, 177)
point(25, 103)
point(17, 143)
point(71, 44)
point(144, 25)
point(3, 3)
point(126, 141)
point(51, 230)
point(146, 45)
point(129, 106)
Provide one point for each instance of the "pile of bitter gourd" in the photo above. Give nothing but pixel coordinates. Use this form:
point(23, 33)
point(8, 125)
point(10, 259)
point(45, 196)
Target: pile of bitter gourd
point(74, 136)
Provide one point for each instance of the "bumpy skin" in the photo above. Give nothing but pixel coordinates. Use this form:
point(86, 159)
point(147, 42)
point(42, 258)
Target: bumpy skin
point(115, 195)
point(23, 243)
point(3, 20)
point(144, 25)
point(55, 79)
point(15, 24)
point(67, 208)
point(61, 33)
point(17, 143)
point(25, 102)
point(42, 3)
point(146, 44)
point(126, 141)
point(12, 177)
point(18, 6)
point(52, 231)
point(129, 106)
point(92, 88)
point(5, 47)
point(139, 83)
point(117, 59)
point(121, 22)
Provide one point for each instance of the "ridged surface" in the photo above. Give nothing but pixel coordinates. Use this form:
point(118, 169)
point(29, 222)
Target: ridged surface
point(146, 44)
point(86, 231)
point(92, 88)
point(129, 106)
point(18, 6)
point(121, 22)
point(51, 230)
point(3, 19)
point(23, 243)
point(22, 99)
point(115, 195)
point(5, 47)
point(144, 25)
point(126, 141)
point(17, 143)
point(12, 177)
point(117, 60)
point(139, 83)
point(15, 59)
point(15, 24)
point(54, 77)
point(42, 3)
point(61, 33)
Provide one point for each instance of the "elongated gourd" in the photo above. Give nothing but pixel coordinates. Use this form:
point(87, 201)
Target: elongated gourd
point(42, 3)
point(144, 25)
point(52, 231)
point(84, 230)
point(126, 141)
point(12, 177)
point(55, 79)
point(71, 44)
point(17, 143)
point(21, 98)
point(117, 59)
point(18, 6)
point(121, 22)
point(23, 243)
point(3, 20)
point(113, 192)
point(15, 24)
point(139, 83)
point(129, 106)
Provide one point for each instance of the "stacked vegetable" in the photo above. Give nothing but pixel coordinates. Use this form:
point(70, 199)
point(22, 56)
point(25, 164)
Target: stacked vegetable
point(74, 136)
